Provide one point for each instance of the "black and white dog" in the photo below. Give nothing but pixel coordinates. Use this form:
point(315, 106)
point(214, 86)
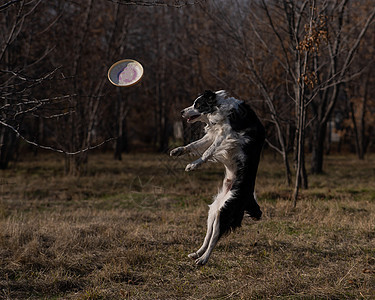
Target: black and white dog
point(234, 136)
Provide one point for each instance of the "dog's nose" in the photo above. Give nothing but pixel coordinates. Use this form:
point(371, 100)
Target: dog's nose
point(182, 112)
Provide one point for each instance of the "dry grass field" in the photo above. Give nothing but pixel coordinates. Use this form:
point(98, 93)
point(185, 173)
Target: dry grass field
point(124, 230)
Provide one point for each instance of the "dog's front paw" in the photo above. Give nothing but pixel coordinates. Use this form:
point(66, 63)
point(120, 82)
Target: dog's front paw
point(177, 151)
point(191, 167)
point(194, 165)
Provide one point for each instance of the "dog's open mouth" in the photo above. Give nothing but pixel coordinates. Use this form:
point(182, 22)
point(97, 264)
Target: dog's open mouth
point(189, 119)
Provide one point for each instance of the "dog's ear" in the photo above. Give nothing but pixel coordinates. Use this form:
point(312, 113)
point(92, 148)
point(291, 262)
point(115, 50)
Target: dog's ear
point(210, 96)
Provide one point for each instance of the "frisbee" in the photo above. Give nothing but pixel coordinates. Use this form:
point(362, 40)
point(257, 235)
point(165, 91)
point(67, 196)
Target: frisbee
point(125, 72)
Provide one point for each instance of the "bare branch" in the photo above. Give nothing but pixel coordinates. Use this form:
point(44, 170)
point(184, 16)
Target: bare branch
point(273, 146)
point(349, 59)
point(51, 148)
point(4, 6)
point(11, 32)
point(177, 4)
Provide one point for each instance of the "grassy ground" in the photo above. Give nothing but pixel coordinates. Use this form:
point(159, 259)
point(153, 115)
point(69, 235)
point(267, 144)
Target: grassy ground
point(124, 232)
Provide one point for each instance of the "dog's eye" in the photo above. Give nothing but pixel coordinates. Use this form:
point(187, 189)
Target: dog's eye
point(197, 105)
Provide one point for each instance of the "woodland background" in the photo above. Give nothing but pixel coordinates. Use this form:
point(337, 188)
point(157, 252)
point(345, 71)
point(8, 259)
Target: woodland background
point(93, 207)
point(306, 67)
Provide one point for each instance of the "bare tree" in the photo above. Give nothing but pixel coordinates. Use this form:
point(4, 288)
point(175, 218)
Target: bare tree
point(99, 39)
point(315, 80)
point(361, 107)
point(22, 75)
point(331, 68)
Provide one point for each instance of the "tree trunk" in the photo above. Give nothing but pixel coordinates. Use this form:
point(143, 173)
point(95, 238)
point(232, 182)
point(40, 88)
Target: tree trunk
point(359, 132)
point(354, 128)
point(122, 135)
point(8, 146)
point(121, 141)
point(301, 174)
point(318, 137)
point(76, 164)
point(362, 136)
point(287, 168)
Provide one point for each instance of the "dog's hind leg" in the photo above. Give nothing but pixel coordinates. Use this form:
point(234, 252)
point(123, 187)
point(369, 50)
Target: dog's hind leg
point(215, 235)
point(252, 208)
point(213, 228)
point(210, 224)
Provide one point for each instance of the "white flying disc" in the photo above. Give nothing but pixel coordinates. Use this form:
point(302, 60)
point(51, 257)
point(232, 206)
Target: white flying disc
point(125, 72)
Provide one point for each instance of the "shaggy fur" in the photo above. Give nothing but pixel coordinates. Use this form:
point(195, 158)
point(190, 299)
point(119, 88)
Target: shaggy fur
point(234, 137)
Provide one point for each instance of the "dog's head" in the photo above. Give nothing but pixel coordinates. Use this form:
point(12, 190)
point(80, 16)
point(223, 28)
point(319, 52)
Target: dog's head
point(205, 104)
